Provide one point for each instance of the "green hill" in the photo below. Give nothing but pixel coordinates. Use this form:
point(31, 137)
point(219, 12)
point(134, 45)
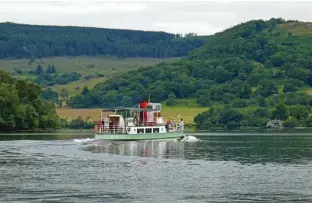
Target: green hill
point(246, 75)
point(87, 66)
point(35, 41)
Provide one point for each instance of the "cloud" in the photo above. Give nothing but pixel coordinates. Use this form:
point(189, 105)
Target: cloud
point(78, 7)
point(187, 27)
point(177, 17)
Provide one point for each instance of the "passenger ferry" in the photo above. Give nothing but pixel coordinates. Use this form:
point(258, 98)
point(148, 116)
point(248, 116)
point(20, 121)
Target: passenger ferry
point(142, 123)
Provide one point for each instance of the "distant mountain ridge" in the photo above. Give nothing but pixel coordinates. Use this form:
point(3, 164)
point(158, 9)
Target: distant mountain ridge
point(35, 41)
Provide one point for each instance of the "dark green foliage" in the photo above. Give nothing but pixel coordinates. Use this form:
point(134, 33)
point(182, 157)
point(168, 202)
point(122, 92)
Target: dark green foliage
point(219, 118)
point(39, 70)
point(80, 101)
point(300, 112)
point(262, 102)
point(281, 112)
point(171, 100)
point(267, 88)
point(290, 88)
point(51, 69)
point(32, 41)
point(50, 95)
point(291, 122)
point(262, 112)
point(246, 65)
point(80, 123)
point(19, 71)
point(127, 101)
point(21, 107)
point(85, 90)
point(95, 75)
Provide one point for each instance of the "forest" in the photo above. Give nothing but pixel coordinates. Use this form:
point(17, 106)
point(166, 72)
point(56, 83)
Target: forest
point(25, 107)
point(35, 41)
point(22, 107)
point(245, 75)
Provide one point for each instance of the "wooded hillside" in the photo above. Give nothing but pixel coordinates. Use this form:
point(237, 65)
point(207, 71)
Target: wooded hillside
point(258, 64)
point(34, 41)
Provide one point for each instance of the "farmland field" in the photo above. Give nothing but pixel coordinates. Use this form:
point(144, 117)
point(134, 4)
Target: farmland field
point(85, 65)
point(185, 111)
point(82, 64)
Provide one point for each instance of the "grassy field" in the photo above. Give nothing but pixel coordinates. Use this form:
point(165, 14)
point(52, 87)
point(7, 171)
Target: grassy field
point(82, 64)
point(185, 109)
point(76, 87)
point(86, 65)
point(75, 113)
point(297, 28)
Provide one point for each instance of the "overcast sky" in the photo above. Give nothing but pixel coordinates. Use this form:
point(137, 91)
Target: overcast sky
point(200, 17)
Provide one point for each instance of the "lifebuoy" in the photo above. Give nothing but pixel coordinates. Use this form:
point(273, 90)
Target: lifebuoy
point(128, 129)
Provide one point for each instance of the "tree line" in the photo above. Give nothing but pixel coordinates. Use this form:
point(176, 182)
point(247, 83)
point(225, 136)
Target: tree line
point(34, 41)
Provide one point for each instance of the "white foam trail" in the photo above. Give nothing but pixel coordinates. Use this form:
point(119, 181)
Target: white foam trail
point(190, 138)
point(83, 140)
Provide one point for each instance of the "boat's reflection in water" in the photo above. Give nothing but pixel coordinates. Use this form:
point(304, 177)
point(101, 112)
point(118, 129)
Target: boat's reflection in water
point(164, 149)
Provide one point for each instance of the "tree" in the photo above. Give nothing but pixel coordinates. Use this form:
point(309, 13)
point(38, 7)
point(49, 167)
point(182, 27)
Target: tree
point(53, 69)
point(77, 123)
point(32, 117)
point(223, 118)
point(281, 112)
point(262, 112)
point(64, 95)
point(291, 122)
point(245, 91)
point(290, 87)
point(49, 70)
point(50, 95)
point(262, 101)
point(222, 75)
point(127, 101)
point(171, 100)
point(267, 88)
point(21, 107)
point(85, 91)
point(289, 33)
point(299, 112)
point(39, 70)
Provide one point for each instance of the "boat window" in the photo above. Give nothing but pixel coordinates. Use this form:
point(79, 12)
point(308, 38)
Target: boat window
point(148, 130)
point(155, 130)
point(140, 130)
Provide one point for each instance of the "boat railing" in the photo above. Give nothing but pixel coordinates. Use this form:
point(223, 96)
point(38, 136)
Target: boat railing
point(113, 129)
point(146, 124)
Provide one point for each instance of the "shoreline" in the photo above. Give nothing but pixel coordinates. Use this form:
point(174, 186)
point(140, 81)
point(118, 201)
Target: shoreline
point(187, 130)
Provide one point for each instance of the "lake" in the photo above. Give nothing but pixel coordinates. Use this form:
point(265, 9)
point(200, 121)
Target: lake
point(219, 167)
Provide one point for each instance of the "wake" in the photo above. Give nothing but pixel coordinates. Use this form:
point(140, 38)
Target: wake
point(190, 138)
point(83, 140)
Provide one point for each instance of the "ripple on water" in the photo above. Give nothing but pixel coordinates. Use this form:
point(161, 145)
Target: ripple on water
point(216, 169)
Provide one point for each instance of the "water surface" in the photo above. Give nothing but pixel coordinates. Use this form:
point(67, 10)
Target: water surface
point(221, 167)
